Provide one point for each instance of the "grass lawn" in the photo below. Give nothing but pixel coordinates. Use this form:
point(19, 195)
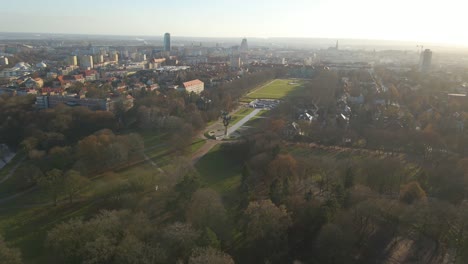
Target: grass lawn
point(197, 144)
point(219, 172)
point(151, 138)
point(275, 90)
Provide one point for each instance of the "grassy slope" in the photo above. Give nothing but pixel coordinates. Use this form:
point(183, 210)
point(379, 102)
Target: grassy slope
point(221, 173)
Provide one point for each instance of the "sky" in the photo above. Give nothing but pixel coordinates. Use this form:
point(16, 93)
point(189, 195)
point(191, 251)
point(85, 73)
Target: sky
point(408, 20)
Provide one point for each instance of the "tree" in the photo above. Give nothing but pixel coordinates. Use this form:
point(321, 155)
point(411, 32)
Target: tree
point(333, 245)
point(179, 239)
point(52, 182)
point(210, 239)
point(109, 237)
point(9, 255)
point(207, 210)
point(349, 178)
point(265, 230)
point(412, 192)
point(73, 183)
point(281, 173)
point(209, 256)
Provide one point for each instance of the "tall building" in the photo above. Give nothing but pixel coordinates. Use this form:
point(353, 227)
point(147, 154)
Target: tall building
point(244, 48)
point(98, 59)
point(235, 62)
point(86, 61)
point(244, 51)
point(3, 61)
point(167, 42)
point(73, 60)
point(425, 61)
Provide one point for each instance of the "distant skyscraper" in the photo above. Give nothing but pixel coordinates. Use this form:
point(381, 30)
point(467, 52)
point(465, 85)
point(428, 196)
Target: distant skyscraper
point(425, 60)
point(337, 46)
point(244, 48)
point(167, 42)
point(244, 51)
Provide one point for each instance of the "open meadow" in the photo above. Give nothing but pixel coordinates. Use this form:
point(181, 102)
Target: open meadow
point(276, 89)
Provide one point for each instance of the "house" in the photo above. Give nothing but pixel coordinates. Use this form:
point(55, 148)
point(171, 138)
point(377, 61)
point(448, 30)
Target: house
point(34, 83)
point(292, 130)
point(91, 75)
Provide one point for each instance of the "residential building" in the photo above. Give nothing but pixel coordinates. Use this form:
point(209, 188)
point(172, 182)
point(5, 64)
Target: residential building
point(108, 104)
point(20, 69)
point(86, 61)
point(3, 61)
point(44, 102)
point(98, 59)
point(195, 86)
point(236, 62)
point(73, 60)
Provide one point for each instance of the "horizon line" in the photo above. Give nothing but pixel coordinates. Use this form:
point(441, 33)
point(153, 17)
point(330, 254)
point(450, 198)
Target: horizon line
point(447, 44)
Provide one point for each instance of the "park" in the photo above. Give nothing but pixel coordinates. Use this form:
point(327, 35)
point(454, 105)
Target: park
point(277, 89)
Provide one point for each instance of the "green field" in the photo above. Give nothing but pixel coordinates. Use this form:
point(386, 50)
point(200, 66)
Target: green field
point(220, 172)
point(275, 90)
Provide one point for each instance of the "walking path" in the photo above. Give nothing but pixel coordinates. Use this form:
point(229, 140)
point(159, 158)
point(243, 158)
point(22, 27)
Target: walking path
point(12, 171)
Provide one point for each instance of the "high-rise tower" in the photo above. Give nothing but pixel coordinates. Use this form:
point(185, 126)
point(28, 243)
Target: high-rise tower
point(244, 48)
point(425, 61)
point(244, 51)
point(167, 42)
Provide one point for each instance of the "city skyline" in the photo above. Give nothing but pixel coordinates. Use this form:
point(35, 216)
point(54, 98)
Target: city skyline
point(360, 19)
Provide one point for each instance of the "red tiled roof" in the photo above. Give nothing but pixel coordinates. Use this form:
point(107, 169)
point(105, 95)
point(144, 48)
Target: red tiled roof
point(89, 72)
point(192, 83)
point(52, 90)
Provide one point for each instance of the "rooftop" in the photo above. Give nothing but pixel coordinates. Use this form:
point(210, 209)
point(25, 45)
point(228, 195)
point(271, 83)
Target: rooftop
point(192, 83)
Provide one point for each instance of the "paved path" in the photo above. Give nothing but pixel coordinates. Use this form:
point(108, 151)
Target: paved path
point(12, 171)
point(210, 143)
point(148, 159)
point(6, 160)
point(244, 120)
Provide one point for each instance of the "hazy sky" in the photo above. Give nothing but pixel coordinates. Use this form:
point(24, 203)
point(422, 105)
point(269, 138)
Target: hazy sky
point(416, 20)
